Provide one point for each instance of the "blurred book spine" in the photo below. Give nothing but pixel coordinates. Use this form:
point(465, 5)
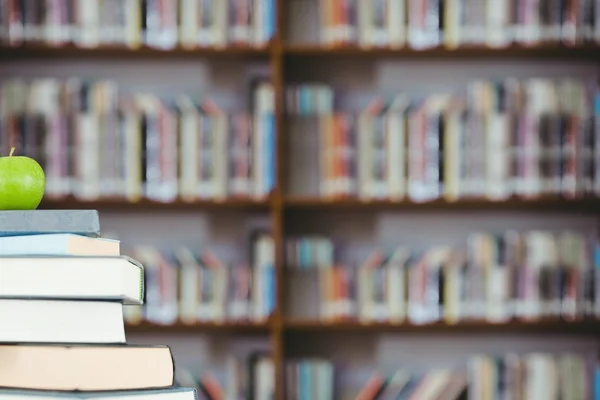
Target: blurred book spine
point(310, 378)
point(95, 142)
point(309, 252)
point(424, 24)
point(160, 24)
point(191, 287)
point(497, 140)
point(242, 377)
point(527, 276)
point(309, 99)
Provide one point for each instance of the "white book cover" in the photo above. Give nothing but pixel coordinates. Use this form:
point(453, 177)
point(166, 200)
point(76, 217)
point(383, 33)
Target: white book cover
point(93, 278)
point(61, 321)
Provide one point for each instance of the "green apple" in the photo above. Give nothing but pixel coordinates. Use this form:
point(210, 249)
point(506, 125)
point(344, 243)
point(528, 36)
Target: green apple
point(22, 183)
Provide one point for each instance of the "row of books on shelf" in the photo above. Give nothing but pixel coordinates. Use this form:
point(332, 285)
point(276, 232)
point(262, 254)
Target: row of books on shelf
point(531, 376)
point(188, 286)
point(155, 23)
point(534, 376)
point(495, 140)
point(421, 24)
point(95, 141)
point(495, 277)
point(251, 377)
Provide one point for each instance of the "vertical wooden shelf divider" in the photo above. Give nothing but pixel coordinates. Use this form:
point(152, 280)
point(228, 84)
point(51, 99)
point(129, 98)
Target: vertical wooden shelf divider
point(276, 332)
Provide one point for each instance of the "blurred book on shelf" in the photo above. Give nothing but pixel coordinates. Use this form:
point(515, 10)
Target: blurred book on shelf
point(423, 24)
point(324, 380)
point(131, 24)
point(495, 140)
point(95, 141)
point(309, 252)
point(250, 377)
point(442, 384)
point(191, 286)
point(528, 276)
point(308, 99)
point(310, 378)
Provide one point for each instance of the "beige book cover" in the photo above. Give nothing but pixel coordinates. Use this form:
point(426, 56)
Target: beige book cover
point(86, 368)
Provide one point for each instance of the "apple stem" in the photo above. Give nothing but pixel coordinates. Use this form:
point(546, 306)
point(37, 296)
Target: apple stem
point(12, 150)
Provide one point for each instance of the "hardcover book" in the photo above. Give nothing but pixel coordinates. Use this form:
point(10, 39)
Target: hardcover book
point(48, 277)
point(35, 222)
point(174, 393)
point(86, 367)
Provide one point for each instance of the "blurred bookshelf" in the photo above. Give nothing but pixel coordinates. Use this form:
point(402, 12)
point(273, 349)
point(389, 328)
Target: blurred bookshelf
point(316, 78)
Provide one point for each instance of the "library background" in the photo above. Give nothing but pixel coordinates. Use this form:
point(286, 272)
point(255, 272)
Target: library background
point(332, 199)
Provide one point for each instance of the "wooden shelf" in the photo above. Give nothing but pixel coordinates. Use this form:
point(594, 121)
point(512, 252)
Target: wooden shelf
point(33, 51)
point(588, 327)
point(584, 52)
point(149, 205)
point(544, 326)
point(585, 205)
point(109, 52)
point(226, 327)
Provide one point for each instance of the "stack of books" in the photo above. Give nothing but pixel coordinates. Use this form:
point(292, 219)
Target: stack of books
point(62, 294)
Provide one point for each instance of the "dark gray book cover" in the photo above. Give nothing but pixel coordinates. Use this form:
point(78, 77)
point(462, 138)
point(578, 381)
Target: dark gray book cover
point(36, 222)
point(162, 394)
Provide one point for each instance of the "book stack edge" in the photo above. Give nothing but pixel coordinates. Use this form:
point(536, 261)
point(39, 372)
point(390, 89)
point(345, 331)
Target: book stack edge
point(63, 291)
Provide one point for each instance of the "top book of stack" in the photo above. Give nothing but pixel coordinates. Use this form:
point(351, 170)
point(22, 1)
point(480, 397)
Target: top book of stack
point(38, 222)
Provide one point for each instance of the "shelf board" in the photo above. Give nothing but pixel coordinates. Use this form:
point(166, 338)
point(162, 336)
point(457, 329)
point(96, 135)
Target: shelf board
point(33, 51)
point(545, 51)
point(542, 326)
point(586, 205)
point(149, 205)
point(226, 327)
point(109, 52)
point(546, 326)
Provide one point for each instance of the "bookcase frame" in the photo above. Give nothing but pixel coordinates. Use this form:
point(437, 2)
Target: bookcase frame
point(279, 54)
